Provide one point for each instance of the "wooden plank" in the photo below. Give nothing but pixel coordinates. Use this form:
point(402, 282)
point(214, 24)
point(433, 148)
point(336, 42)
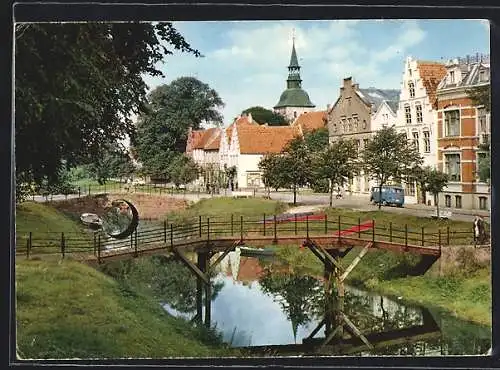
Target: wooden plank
point(192, 266)
point(356, 331)
point(224, 254)
point(317, 328)
point(355, 262)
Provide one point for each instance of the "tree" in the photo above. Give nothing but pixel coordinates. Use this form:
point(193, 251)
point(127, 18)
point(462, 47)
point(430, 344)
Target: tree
point(433, 181)
point(231, 173)
point(183, 170)
point(317, 141)
point(295, 165)
point(263, 115)
point(337, 164)
point(272, 166)
point(114, 162)
point(162, 131)
point(76, 85)
point(389, 155)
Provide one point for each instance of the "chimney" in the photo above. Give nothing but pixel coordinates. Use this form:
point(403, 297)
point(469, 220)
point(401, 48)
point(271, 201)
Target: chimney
point(249, 117)
point(347, 82)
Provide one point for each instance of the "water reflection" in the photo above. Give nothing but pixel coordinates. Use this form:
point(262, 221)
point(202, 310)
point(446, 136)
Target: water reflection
point(264, 303)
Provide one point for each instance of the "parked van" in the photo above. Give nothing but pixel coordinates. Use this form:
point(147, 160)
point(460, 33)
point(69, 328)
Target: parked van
point(391, 195)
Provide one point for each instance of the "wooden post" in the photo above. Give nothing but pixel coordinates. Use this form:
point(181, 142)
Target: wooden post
point(390, 231)
point(447, 235)
point(99, 248)
point(406, 235)
point(241, 229)
point(232, 224)
point(359, 227)
point(264, 220)
point(30, 243)
point(275, 231)
point(135, 243)
point(199, 225)
point(63, 247)
point(89, 189)
point(307, 227)
point(95, 245)
point(199, 289)
point(373, 230)
point(339, 227)
point(208, 228)
point(79, 192)
point(172, 235)
point(439, 238)
point(208, 297)
point(423, 236)
point(165, 231)
point(295, 224)
point(326, 224)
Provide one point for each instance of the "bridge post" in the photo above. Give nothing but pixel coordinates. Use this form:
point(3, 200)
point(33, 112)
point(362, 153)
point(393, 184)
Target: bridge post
point(406, 235)
point(390, 231)
point(339, 227)
point(447, 235)
point(373, 230)
point(199, 290)
point(172, 235)
point(264, 221)
point(208, 229)
point(135, 243)
point(326, 224)
point(307, 227)
point(241, 229)
point(63, 244)
point(232, 224)
point(359, 227)
point(165, 231)
point(295, 224)
point(439, 237)
point(423, 242)
point(199, 225)
point(99, 248)
point(275, 231)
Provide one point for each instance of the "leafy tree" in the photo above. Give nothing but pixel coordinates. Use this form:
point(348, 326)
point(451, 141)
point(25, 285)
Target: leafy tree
point(114, 162)
point(485, 167)
point(272, 166)
point(295, 165)
point(76, 85)
point(337, 164)
point(183, 170)
point(317, 140)
point(433, 181)
point(389, 155)
point(231, 173)
point(162, 131)
point(263, 115)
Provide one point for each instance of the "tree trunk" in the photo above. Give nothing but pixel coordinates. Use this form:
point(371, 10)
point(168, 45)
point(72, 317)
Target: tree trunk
point(436, 201)
point(380, 197)
point(331, 194)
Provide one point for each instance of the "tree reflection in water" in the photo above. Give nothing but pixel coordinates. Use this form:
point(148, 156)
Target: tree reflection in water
point(302, 299)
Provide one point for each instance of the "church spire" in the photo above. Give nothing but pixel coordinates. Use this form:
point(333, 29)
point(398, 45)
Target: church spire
point(294, 81)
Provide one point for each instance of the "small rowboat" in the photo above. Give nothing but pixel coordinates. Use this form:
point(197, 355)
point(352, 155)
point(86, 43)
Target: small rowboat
point(251, 252)
point(91, 220)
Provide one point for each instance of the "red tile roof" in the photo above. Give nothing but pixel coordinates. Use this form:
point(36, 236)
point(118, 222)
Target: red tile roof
point(205, 138)
point(214, 142)
point(265, 139)
point(193, 139)
point(311, 120)
point(431, 74)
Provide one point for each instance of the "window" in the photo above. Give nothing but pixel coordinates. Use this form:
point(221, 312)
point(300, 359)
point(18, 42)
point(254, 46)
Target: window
point(405, 135)
point(365, 143)
point(411, 88)
point(418, 108)
point(408, 113)
point(482, 124)
point(483, 203)
point(452, 166)
point(415, 140)
point(427, 142)
point(452, 123)
point(349, 124)
point(356, 122)
point(294, 114)
point(483, 77)
point(481, 156)
point(452, 77)
point(410, 188)
point(447, 201)
point(364, 124)
point(458, 201)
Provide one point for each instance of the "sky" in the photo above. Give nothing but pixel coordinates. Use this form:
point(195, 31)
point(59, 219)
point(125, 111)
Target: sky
point(246, 61)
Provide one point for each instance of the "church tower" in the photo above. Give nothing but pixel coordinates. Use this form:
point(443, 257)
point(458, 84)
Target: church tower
point(294, 100)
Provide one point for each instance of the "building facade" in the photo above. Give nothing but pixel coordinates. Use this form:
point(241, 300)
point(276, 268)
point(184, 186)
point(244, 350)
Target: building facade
point(463, 133)
point(417, 115)
point(356, 115)
point(294, 100)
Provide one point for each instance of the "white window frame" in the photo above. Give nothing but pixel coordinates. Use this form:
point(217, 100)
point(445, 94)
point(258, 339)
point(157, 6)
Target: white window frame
point(407, 109)
point(446, 167)
point(418, 109)
point(427, 141)
point(446, 127)
point(411, 89)
point(415, 140)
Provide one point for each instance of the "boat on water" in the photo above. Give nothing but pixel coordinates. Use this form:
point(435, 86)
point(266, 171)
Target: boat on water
point(249, 252)
point(91, 220)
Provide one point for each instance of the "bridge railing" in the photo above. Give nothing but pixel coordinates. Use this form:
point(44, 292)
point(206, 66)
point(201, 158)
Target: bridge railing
point(237, 226)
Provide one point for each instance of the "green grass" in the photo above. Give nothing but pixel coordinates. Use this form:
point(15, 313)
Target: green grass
point(222, 208)
point(70, 310)
point(46, 225)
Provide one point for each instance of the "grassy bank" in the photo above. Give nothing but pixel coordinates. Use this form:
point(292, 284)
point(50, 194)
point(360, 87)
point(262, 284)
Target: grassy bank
point(65, 309)
point(68, 310)
point(227, 206)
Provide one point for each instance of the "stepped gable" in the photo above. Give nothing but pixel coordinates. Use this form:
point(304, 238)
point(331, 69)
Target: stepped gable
point(431, 74)
point(206, 137)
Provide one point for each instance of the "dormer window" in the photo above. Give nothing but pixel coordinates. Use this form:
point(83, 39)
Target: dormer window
point(483, 76)
point(452, 77)
point(411, 88)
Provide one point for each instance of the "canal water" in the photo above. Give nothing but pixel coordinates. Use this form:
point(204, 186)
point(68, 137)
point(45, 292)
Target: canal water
point(258, 302)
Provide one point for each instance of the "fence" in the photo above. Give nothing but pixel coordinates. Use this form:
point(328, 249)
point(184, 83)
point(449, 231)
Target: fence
point(237, 227)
